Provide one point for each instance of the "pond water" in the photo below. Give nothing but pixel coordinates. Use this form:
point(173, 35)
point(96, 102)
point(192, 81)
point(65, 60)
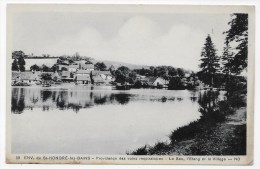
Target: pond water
point(96, 120)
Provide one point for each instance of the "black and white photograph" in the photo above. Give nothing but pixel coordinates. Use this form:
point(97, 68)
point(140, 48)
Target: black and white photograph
point(130, 84)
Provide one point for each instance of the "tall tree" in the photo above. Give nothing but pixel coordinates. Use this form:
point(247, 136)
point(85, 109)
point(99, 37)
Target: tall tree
point(15, 65)
point(21, 63)
point(227, 59)
point(210, 61)
point(238, 34)
point(122, 74)
point(19, 55)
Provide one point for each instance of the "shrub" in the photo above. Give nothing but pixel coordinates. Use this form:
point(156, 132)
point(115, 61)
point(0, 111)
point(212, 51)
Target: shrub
point(140, 151)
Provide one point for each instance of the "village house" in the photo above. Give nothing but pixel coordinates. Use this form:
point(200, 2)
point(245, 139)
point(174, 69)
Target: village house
point(66, 76)
point(87, 66)
point(26, 77)
point(83, 77)
point(157, 82)
point(15, 77)
point(98, 80)
point(73, 68)
point(101, 77)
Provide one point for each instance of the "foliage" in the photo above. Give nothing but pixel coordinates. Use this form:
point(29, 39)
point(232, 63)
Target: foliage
point(100, 66)
point(15, 66)
point(19, 62)
point(122, 74)
point(35, 68)
point(175, 83)
point(54, 68)
point(180, 72)
point(209, 65)
point(45, 68)
point(238, 33)
point(64, 69)
point(140, 151)
point(18, 54)
point(46, 76)
point(138, 84)
point(21, 68)
point(227, 59)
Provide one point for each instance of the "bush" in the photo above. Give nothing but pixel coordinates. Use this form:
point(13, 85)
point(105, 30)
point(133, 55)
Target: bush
point(185, 132)
point(141, 151)
point(159, 148)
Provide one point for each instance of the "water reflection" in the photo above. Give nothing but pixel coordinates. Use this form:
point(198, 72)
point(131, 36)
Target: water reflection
point(76, 99)
point(18, 101)
point(209, 109)
point(107, 121)
point(80, 98)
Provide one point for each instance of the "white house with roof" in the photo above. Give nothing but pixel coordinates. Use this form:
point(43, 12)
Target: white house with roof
point(28, 77)
point(157, 81)
point(87, 66)
point(83, 77)
point(73, 68)
point(101, 76)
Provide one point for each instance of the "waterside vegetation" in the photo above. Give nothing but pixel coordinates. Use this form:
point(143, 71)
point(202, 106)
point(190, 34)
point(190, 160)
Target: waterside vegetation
point(221, 129)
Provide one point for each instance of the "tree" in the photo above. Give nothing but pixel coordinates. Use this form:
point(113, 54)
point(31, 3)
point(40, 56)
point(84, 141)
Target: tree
point(35, 68)
point(17, 54)
point(46, 77)
point(122, 74)
point(21, 68)
point(172, 72)
point(124, 69)
point(210, 60)
point(54, 68)
point(21, 62)
point(227, 59)
point(45, 68)
point(15, 66)
point(64, 69)
point(155, 72)
point(175, 84)
point(100, 66)
point(180, 72)
point(238, 34)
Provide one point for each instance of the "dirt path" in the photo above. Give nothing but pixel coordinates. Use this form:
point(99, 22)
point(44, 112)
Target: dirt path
point(226, 138)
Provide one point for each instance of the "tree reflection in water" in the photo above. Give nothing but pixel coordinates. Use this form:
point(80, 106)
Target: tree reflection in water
point(63, 99)
point(82, 98)
point(208, 101)
point(45, 95)
point(193, 96)
point(121, 98)
point(17, 102)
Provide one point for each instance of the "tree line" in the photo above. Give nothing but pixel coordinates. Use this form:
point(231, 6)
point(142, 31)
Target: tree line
point(234, 57)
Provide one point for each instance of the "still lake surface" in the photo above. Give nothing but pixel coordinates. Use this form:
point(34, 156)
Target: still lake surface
point(96, 120)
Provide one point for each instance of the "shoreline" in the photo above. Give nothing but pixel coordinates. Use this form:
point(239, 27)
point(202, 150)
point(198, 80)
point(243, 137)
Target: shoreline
point(230, 136)
point(206, 136)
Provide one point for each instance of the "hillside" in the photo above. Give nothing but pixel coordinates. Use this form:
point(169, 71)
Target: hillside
point(118, 64)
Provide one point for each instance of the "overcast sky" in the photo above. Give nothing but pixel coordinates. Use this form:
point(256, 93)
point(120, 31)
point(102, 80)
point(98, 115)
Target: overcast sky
point(139, 38)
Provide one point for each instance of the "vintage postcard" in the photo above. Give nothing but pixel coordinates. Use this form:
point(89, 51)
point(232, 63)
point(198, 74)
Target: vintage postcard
point(130, 84)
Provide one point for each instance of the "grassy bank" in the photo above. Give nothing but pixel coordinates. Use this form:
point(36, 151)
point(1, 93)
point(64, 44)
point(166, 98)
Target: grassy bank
point(221, 130)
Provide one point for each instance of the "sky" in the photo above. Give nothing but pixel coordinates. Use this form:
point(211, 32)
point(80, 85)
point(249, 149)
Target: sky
point(138, 38)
